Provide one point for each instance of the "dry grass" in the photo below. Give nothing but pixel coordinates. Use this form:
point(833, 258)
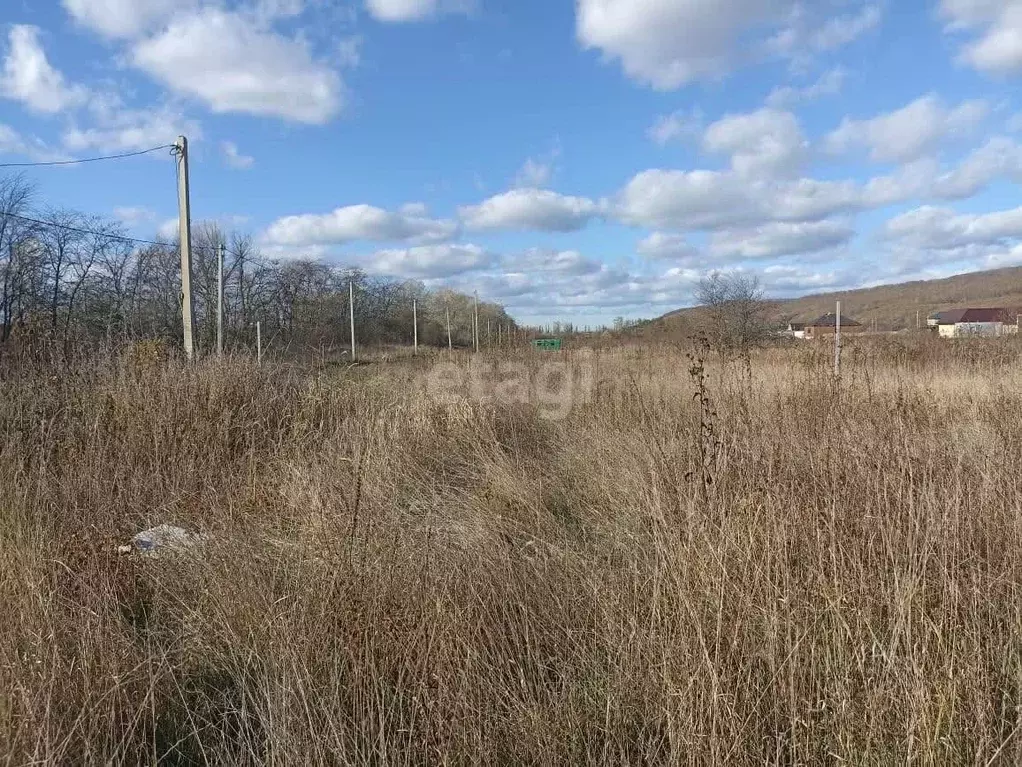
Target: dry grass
point(796, 573)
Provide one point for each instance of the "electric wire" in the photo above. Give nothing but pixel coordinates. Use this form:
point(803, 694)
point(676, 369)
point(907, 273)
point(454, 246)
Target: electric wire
point(52, 163)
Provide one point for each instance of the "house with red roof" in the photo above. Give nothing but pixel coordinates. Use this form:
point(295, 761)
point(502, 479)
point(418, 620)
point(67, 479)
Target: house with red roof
point(988, 322)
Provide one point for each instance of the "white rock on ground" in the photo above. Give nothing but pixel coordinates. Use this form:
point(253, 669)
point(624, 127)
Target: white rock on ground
point(161, 539)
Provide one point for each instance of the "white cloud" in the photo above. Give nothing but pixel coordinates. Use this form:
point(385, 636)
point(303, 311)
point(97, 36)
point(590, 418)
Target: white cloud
point(668, 43)
point(677, 126)
point(29, 77)
point(677, 199)
point(926, 179)
point(764, 143)
point(910, 132)
point(829, 83)
point(430, 261)
point(123, 18)
point(568, 263)
point(415, 10)
point(806, 199)
point(534, 174)
point(168, 230)
point(792, 279)
point(940, 228)
point(780, 238)
point(14, 143)
point(118, 128)
point(133, 215)
point(360, 222)
point(349, 51)
point(529, 209)
point(725, 201)
point(232, 64)
point(810, 31)
point(267, 11)
point(234, 157)
point(997, 24)
point(667, 246)
point(842, 30)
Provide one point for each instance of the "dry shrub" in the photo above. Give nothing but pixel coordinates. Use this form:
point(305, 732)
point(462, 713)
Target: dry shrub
point(390, 578)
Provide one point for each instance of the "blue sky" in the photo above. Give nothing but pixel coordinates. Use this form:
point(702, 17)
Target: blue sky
point(572, 160)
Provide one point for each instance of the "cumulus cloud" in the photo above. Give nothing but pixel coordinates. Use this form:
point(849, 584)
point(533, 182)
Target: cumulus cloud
point(780, 238)
point(664, 245)
point(926, 179)
point(14, 143)
point(234, 158)
point(668, 43)
point(994, 31)
point(716, 201)
point(230, 63)
point(132, 215)
point(702, 199)
point(765, 143)
point(360, 222)
point(569, 263)
point(529, 210)
point(117, 128)
point(942, 229)
point(910, 132)
point(534, 174)
point(415, 10)
point(29, 77)
point(430, 261)
point(792, 279)
point(123, 18)
point(829, 83)
point(677, 126)
point(678, 199)
point(810, 31)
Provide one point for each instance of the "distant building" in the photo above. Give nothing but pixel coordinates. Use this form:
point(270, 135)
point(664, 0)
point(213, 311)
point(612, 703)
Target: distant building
point(827, 326)
point(989, 322)
point(795, 330)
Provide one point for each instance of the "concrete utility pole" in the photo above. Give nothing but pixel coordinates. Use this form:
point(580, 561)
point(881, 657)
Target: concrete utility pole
point(450, 345)
point(415, 325)
point(259, 343)
point(221, 253)
point(475, 322)
point(837, 341)
point(351, 309)
point(184, 219)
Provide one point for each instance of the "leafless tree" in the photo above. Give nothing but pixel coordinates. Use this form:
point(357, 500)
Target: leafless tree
point(736, 312)
point(80, 278)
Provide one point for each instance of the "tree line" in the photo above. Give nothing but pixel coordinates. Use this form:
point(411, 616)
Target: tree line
point(77, 279)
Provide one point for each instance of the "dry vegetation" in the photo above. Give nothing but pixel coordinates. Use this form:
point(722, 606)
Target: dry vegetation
point(782, 571)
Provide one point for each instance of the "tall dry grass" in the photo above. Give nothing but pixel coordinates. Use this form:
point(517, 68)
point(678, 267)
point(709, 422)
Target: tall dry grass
point(783, 571)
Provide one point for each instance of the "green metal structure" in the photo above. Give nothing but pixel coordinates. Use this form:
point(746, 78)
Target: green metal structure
point(547, 344)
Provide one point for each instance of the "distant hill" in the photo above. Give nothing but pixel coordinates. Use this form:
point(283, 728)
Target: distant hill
point(891, 307)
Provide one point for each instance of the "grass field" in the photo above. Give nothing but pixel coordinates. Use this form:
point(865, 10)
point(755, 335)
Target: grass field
point(692, 566)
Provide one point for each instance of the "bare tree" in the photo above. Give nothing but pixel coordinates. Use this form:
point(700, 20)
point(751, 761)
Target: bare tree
point(736, 311)
point(80, 280)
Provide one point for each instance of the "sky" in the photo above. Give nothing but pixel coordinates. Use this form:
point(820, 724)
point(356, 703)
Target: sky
point(574, 161)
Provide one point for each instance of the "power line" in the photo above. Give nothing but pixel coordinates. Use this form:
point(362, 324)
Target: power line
point(85, 159)
point(110, 235)
point(79, 230)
